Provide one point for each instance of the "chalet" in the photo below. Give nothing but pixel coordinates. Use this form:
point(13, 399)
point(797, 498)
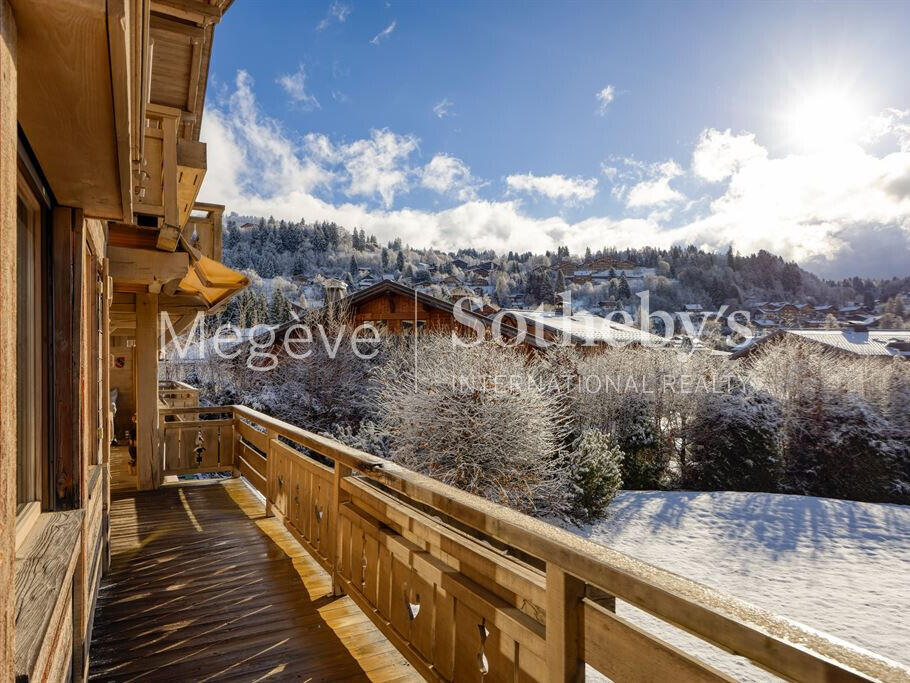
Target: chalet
point(309, 559)
point(102, 234)
point(606, 263)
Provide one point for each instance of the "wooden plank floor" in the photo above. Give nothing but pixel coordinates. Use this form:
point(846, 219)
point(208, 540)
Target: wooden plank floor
point(122, 478)
point(203, 587)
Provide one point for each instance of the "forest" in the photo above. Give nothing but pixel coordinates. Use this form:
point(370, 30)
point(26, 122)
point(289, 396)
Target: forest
point(293, 251)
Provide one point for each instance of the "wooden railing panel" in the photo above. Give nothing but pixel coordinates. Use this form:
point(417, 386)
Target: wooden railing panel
point(258, 439)
point(634, 654)
point(180, 439)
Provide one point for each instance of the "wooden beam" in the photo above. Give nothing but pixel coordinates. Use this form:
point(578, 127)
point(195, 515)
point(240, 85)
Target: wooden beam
point(67, 241)
point(118, 36)
point(147, 454)
point(131, 235)
point(8, 255)
point(188, 7)
point(169, 168)
point(168, 237)
point(146, 266)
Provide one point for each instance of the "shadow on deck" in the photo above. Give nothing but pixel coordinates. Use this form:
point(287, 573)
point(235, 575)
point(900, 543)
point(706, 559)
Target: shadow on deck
point(203, 587)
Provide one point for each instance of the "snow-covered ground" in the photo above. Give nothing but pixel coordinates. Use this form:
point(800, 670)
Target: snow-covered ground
point(838, 566)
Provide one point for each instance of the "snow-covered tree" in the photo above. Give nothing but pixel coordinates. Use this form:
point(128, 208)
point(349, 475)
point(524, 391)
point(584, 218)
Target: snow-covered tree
point(476, 419)
point(596, 476)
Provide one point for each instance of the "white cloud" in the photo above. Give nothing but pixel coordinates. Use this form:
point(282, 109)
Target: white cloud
point(378, 166)
point(556, 187)
point(655, 190)
point(604, 97)
point(891, 122)
point(295, 86)
point(384, 33)
point(829, 209)
point(446, 174)
point(372, 167)
point(842, 212)
point(338, 11)
point(443, 108)
point(719, 154)
point(249, 150)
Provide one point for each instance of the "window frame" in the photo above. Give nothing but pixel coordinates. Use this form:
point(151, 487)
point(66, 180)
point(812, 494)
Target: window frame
point(32, 359)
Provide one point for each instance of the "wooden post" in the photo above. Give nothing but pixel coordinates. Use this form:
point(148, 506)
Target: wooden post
point(148, 463)
point(338, 497)
point(565, 640)
point(8, 234)
point(270, 474)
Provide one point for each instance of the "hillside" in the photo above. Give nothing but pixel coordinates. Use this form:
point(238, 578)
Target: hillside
point(674, 277)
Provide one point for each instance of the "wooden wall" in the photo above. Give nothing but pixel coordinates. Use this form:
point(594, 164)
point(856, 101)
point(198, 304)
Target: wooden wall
point(8, 231)
point(395, 309)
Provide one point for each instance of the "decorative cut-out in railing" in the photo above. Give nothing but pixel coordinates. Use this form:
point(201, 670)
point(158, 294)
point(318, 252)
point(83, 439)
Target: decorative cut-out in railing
point(200, 447)
point(412, 607)
point(483, 663)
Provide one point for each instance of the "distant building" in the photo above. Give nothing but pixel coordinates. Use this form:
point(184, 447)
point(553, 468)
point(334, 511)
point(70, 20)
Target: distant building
point(854, 341)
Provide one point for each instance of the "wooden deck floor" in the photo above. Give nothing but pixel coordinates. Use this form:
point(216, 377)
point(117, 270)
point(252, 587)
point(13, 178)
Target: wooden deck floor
point(203, 588)
point(122, 478)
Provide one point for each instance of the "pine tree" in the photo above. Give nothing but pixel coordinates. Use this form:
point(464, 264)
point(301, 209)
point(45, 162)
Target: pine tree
point(596, 475)
point(623, 289)
point(547, 293)
point(560, 282)
point(354, 267)
point(279, 308)
point(399, 261)
point(385, 259)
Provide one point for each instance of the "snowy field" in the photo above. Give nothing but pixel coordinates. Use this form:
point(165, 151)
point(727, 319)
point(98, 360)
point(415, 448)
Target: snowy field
point(841, 567)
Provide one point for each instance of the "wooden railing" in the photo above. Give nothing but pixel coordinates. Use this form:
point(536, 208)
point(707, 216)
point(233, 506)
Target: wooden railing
point(469, 590)
point(174, 394)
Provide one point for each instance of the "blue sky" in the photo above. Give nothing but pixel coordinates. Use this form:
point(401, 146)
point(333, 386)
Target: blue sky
point(783, 126)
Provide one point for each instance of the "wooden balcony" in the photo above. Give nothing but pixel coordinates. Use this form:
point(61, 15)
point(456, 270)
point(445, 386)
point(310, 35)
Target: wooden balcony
point(203, 587)
point(342, 564)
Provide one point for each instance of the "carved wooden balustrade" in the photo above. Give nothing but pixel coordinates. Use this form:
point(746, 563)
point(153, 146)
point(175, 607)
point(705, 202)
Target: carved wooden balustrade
point(469, 590)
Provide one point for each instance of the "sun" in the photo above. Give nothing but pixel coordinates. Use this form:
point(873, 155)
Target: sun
point(824, 118)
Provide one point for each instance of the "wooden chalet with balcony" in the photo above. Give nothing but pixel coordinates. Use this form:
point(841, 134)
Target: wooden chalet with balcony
point(308, 560)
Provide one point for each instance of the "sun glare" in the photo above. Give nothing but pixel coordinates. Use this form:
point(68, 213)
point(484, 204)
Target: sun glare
point(823, 119)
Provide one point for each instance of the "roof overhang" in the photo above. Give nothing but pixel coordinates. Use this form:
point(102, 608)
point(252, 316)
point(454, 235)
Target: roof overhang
point(66, 100)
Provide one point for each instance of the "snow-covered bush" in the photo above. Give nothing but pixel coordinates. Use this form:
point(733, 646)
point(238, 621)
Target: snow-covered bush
point(841, 447)
point(597, 475)
point(844, 421)
point(734, 443)
point(476, 418)
point(368, 437)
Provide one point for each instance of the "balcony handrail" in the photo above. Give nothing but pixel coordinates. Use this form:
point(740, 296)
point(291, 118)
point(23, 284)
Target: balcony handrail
point(775, 643)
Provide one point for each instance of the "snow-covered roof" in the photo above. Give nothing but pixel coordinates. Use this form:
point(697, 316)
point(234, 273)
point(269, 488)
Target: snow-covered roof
point(590, 328)
point(693, 307)
point(883, 343)
point(871, 343)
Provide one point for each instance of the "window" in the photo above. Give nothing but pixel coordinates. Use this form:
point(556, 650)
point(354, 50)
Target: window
point(408, 326)
point(30, 344)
